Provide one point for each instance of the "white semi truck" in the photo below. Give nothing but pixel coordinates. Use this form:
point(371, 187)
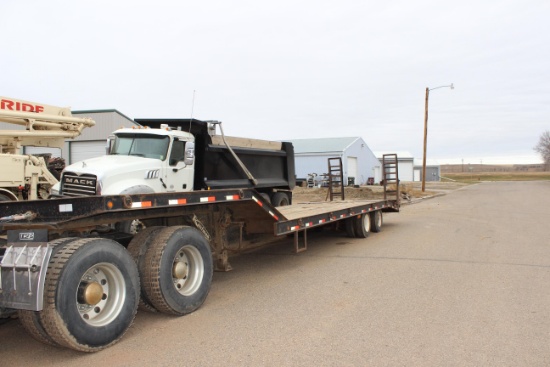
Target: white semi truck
point(25, 176)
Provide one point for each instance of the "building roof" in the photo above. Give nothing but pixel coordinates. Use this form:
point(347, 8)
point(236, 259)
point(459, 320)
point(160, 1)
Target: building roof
point(400, 154)
point(429, 162)
point(87, 112)
point(322, 145)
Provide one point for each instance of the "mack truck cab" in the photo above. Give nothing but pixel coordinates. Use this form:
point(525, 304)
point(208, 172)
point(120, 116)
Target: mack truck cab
point(166, 158)
point(139, 161)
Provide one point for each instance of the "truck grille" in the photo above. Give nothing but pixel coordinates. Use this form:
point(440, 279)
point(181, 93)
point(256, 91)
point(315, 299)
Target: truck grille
point(78, 185)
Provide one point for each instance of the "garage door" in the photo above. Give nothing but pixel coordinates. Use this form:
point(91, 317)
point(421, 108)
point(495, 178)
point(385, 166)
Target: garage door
point(352, 169)
point(417, 175)
point(81, 150)
point(55, 152)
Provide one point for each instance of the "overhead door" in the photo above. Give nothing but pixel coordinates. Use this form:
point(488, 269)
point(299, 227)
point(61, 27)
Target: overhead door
point(55, 152)
point(432, 174)
point(417, 175)
point(82, 150)
point(352, 170)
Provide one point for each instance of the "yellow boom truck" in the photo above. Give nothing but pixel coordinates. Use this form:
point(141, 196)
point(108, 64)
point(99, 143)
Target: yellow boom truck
point(25, 176)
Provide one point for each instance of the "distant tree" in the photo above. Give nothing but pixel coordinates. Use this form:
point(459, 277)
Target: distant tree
point(543, 148)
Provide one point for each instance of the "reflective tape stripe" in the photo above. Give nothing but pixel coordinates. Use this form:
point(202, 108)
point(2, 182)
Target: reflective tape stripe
point(257, 201)
point(142, 204)
point(177, 201)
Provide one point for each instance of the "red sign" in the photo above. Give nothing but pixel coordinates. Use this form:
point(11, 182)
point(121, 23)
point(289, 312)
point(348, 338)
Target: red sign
point(7, 104)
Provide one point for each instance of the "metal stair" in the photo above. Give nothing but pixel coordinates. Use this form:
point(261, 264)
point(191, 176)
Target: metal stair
point(335, 178)
point(390, 171)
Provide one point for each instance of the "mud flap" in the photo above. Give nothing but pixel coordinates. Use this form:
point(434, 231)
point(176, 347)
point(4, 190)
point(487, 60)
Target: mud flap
point(23, 269)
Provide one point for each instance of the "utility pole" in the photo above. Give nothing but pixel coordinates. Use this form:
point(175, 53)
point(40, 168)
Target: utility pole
point(426, 132)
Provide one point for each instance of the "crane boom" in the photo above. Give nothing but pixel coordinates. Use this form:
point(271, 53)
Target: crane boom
point(26, 176)
point(44, 125)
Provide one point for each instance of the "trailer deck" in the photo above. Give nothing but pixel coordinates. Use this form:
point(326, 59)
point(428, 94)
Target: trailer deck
point(70, 213)
point(306, 215)
point(187, 236)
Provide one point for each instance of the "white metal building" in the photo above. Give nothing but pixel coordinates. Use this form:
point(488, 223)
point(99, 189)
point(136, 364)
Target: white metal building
point(93, 140)
point(405, 164)
point(358, 161)
point(433, 170)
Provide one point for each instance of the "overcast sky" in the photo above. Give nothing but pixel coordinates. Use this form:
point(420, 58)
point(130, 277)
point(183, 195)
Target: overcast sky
point(298, 69)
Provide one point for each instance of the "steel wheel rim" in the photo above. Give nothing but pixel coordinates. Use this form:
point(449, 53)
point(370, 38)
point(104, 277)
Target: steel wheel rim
point(366, 223)
point(187, 270)
point(379, 220)
point(112, 284)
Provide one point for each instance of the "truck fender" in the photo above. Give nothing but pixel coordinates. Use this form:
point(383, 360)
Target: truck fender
point(139, 189)
point(7, 195)
point(127, 187)
point(133, 226)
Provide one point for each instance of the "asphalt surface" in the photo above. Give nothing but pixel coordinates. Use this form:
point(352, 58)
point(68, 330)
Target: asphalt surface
point(457, 280)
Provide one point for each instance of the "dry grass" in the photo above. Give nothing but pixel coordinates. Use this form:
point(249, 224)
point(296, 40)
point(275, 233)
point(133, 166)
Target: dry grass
point(304, 194)
point(412, 190)
point(498, 176)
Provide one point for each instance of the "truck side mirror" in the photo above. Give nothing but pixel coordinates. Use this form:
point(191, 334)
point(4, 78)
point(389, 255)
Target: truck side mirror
point(109, 145)
point(189, 153)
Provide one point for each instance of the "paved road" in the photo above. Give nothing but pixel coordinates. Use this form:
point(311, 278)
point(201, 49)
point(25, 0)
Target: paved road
point(458, 280)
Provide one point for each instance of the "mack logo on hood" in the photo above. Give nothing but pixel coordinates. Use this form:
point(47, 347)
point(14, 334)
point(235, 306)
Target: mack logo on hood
point(80, 181)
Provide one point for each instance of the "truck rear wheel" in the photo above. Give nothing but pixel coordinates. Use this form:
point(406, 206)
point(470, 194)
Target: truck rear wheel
point(137, 249)
point(376, 221)
point(362, 225)
point(91, 294)
point(30, 320)
point(179, 272)
point(280, 199)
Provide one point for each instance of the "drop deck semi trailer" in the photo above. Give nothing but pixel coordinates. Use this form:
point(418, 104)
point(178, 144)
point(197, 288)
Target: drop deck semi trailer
point(77, 283)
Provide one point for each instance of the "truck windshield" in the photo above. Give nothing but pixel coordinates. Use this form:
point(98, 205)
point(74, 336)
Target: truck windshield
point(142, 145)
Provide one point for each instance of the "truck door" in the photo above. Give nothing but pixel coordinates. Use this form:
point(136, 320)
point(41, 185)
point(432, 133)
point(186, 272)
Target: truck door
point(179, 173)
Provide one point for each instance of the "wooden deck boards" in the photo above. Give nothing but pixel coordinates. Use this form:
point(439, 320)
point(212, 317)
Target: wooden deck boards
point(301, 210)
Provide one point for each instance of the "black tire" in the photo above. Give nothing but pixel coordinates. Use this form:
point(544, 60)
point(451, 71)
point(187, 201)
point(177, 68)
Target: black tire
point(362, 225)
point(350, 227)
point(137, 249)
point(179, 272)
point(376, 221)
point(5, 197)
point(280, 199)
point(31, 320)
point(91, 294)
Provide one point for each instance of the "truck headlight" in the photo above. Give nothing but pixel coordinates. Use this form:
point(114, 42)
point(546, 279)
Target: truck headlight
point(54, 190)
